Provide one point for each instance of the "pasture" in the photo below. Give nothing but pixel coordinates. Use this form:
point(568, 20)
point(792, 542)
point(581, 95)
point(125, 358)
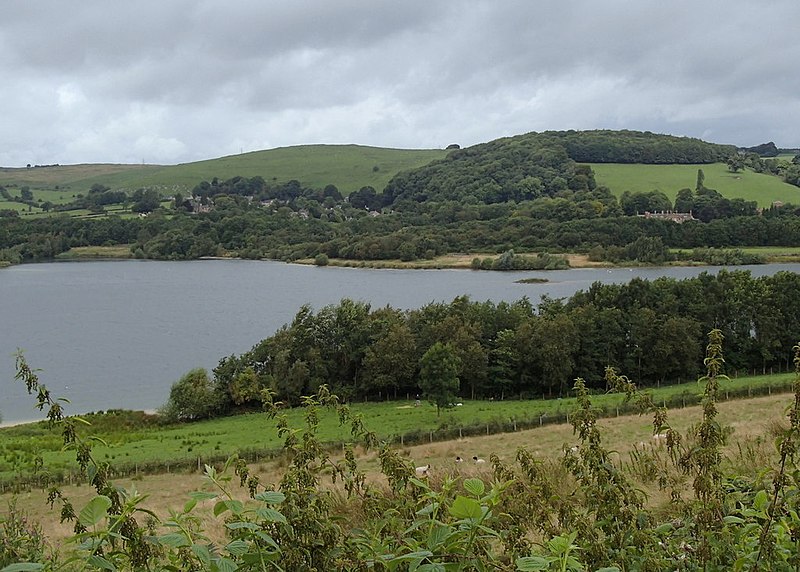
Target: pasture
point(747, 185)
point(750, 422)
point(349, 167)
point(134, 442)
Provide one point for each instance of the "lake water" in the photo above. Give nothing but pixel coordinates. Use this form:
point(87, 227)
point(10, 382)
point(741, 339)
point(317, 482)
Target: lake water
point(117, 334)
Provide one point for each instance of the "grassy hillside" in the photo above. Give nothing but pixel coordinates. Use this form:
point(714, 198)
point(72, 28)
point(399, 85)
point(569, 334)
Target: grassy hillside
point(750, 420)
point(349, 167)
point(130, 440)
point(764, 189)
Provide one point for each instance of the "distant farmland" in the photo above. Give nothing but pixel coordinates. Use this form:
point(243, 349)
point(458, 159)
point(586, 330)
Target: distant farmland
point(764, 189)
point(349, 167)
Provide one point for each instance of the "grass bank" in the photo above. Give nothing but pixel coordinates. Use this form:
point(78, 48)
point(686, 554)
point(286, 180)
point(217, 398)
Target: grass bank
point(136, 443)
point(750, 422)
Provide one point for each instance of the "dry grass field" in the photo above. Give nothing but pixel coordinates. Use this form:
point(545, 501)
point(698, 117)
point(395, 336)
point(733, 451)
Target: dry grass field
point(750, 422)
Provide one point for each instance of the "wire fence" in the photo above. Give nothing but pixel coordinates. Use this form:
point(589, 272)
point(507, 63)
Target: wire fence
point(46, 479)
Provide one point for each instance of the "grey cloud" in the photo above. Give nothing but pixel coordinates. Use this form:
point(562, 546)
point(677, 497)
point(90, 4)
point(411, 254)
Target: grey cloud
point(182, 80)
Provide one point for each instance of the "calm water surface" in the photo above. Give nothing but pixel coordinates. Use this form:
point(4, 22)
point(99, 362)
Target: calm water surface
point(117, 334)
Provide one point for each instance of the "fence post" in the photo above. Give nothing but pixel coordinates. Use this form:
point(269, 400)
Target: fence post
point(431, 436)
point(459, 433)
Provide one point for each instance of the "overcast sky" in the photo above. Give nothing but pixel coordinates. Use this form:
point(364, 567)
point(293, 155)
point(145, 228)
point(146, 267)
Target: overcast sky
point(171, 81)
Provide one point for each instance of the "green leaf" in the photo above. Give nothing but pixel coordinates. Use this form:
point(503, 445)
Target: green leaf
point(202, 553)
point(270, 515)
point(94, 511)
point(189, 505)
point(761, 501)
point(235, 506)
point(100, 562)
point(438, 535)
point(173, 540)
point(608, 569)
point(432, 567)
point(225, 565)
point(202, 496)
point(532, 563)
point(665, 528)
point(23, 567)
point(464, 507)
point(427, 509)
point(219, 508)
point(562, 544)
point(419, 555)
point(733, 520)
point(271, 497)
point(474, 486)
point(237, 547)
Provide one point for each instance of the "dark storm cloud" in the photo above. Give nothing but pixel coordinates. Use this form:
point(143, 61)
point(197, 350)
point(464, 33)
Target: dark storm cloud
point(182, 80)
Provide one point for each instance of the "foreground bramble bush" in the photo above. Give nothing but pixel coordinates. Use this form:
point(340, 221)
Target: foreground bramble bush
point(585, 513)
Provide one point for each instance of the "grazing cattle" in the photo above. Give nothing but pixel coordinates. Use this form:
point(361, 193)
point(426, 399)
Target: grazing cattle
point(423, 471)
point(478, 460)
point(459, 460)
point(659, 438)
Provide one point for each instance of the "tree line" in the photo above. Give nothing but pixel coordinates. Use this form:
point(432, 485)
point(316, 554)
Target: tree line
point(528, 193)
point(655, 331)
point(240, 228)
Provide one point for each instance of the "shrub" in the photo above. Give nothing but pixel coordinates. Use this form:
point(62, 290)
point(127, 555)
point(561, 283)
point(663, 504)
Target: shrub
point(191, 398)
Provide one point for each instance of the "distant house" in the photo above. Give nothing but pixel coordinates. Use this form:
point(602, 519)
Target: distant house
point(197, 206)
point(669, 215)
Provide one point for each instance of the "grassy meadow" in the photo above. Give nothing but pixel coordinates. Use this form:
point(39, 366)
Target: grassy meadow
point(748, 185)
point(136, 442)
point(750, 421)
point(349, 167)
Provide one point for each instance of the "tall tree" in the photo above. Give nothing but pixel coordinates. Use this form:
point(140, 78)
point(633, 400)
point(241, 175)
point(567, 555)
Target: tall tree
point(438, 375)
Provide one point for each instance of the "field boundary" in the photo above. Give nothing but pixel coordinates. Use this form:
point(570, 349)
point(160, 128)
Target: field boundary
point(42, 480)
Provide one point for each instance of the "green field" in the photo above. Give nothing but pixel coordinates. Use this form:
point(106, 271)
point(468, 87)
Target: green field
point(133, 441)
point(748, 185)
point(349, 167)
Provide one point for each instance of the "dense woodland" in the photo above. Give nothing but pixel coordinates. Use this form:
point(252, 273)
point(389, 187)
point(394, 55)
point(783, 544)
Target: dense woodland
point(653, 330)
point(527, 193)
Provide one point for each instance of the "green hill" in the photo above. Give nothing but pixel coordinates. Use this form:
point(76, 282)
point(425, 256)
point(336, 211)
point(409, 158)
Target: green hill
point(349, 167)
point(748, 185)
point(513, 168)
